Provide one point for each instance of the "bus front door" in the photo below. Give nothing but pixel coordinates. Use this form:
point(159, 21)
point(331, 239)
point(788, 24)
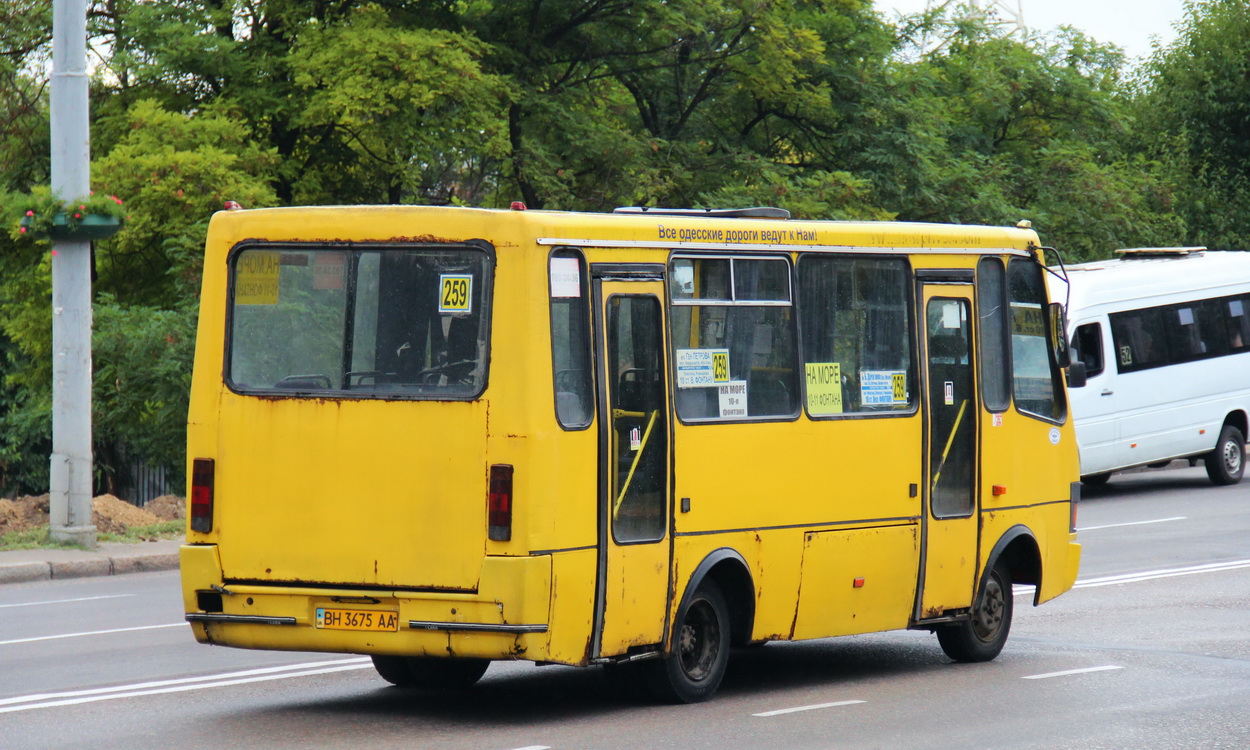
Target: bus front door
point(633, 570)
point(952, 413)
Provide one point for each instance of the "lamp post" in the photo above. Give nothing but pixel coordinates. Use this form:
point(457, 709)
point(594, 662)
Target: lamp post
point(71, 464)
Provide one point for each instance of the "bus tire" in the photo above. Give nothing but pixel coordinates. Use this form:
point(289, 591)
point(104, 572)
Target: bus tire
point(430, 673)
point(696, 666)
point(1227, 462)
point(982, 636)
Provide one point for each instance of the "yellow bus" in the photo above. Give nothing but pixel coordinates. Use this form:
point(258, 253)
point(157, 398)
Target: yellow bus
point(446, 436)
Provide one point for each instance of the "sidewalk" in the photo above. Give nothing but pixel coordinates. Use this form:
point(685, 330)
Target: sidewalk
point(111, 558)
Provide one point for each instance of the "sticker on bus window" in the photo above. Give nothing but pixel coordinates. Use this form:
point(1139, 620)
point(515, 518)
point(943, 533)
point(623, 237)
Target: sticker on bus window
point(1027, 320)
point(455, 293)
point(566, 278)
point(256, 278)
point(824, 388)
point(733, 399)
point(328, 270)
point(882, 387)
point(948, 393)
point(702, 368)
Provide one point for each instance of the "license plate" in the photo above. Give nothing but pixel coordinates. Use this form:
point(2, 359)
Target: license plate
point(357, 619)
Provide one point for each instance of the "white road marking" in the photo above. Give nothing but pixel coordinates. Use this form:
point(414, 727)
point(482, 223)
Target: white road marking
point(92, 632)
point(1070, 672)
point(64, 601)
point(1164, 573)
point(781, 711)
point(1131, 523)
point(70, 698)
point(535, 747)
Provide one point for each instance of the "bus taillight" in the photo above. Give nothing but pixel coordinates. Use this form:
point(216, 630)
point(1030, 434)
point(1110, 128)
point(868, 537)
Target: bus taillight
point(202, 471)
point(499, 503)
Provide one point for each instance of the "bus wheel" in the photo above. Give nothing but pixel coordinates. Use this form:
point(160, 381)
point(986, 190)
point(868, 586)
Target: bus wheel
point(982, 636)
point(1226, 463)
point(700, 650)
point(430, 673)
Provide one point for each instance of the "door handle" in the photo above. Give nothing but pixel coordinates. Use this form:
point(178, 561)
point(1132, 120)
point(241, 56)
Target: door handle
point(1107, 392)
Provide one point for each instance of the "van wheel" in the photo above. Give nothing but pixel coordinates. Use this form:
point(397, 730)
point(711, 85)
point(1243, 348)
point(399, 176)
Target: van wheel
point(982, 636)
point(430, 673)
point(695, 668)
point(1227, 463)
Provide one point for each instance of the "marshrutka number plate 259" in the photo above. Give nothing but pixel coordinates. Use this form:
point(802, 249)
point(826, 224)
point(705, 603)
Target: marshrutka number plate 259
point(357, 619)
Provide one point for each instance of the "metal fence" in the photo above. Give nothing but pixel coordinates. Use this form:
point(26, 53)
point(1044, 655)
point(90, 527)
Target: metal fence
point(145, 483)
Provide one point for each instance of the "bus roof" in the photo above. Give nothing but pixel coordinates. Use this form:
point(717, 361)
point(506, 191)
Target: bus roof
point(656, 230)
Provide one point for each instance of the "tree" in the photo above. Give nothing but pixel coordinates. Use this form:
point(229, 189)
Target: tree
point(1194, 110)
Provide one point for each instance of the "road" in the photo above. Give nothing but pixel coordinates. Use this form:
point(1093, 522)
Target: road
point(1150, 650)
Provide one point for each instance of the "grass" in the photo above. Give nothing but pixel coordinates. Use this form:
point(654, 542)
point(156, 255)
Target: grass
point(38, 538)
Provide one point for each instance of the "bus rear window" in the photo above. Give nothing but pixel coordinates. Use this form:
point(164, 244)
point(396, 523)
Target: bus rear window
point(388, 322)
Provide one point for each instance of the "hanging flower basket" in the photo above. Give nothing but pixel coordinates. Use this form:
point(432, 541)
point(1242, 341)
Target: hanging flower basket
point(88, 227)
point(44, 216)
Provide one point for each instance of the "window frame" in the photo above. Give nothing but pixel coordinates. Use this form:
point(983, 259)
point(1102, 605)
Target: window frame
point(674, 302)
point(1057, 381)
point(1004, 343)
point(354, 250)
point(913, 330)
point(588, 344)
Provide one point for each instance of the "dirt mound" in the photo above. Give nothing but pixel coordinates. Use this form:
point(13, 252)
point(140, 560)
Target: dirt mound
point(26, 512)
point(167, 507)
point(113, 515)
point(109, 514)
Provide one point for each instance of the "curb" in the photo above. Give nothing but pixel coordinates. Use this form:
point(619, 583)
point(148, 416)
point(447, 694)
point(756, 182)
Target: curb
point(26, 572)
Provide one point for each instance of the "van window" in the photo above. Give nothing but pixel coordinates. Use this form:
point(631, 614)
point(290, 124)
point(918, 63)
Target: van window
point(856, 318)
point(1033, 377)
point(570, 340)
point(1140, 339)
point(396, 322)
point(1087, 348)
point(736, 313)
point(1238, 322)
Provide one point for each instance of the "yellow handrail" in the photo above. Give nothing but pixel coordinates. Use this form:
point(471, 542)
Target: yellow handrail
point(950, 440)
point(637, 456)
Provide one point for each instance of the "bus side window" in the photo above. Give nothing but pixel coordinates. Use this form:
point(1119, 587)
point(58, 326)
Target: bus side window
point(1087, 348)
point(1034, 371)
point(570, 340)
point(740, 309)
point(995, 345)
point(856, 325)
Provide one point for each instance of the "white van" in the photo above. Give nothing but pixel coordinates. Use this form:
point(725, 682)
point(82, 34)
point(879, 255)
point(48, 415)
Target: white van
point(1164, 334)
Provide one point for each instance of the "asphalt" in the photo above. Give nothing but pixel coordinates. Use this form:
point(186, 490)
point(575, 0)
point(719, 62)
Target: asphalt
point(107, 559)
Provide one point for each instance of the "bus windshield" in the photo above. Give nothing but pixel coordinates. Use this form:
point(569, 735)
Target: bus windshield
point(391, 322)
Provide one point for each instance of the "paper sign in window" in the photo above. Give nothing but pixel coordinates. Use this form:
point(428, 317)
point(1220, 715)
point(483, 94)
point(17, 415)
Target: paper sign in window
point(824, 388)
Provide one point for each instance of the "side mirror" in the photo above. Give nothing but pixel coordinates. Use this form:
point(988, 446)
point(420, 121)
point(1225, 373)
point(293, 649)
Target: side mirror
point(1076, 374)
point(1059, 334)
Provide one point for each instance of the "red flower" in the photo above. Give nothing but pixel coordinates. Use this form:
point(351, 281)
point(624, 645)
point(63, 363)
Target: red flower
point(30, 213)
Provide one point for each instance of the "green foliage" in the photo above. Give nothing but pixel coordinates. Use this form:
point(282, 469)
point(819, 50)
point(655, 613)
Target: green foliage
point(175, 170)
point(1194, 108)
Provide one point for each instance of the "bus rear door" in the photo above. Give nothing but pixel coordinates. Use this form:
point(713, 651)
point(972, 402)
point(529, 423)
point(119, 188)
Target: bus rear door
point(633, 569)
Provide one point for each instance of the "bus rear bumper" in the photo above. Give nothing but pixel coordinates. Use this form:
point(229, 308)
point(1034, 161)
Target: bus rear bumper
point(506, 618)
